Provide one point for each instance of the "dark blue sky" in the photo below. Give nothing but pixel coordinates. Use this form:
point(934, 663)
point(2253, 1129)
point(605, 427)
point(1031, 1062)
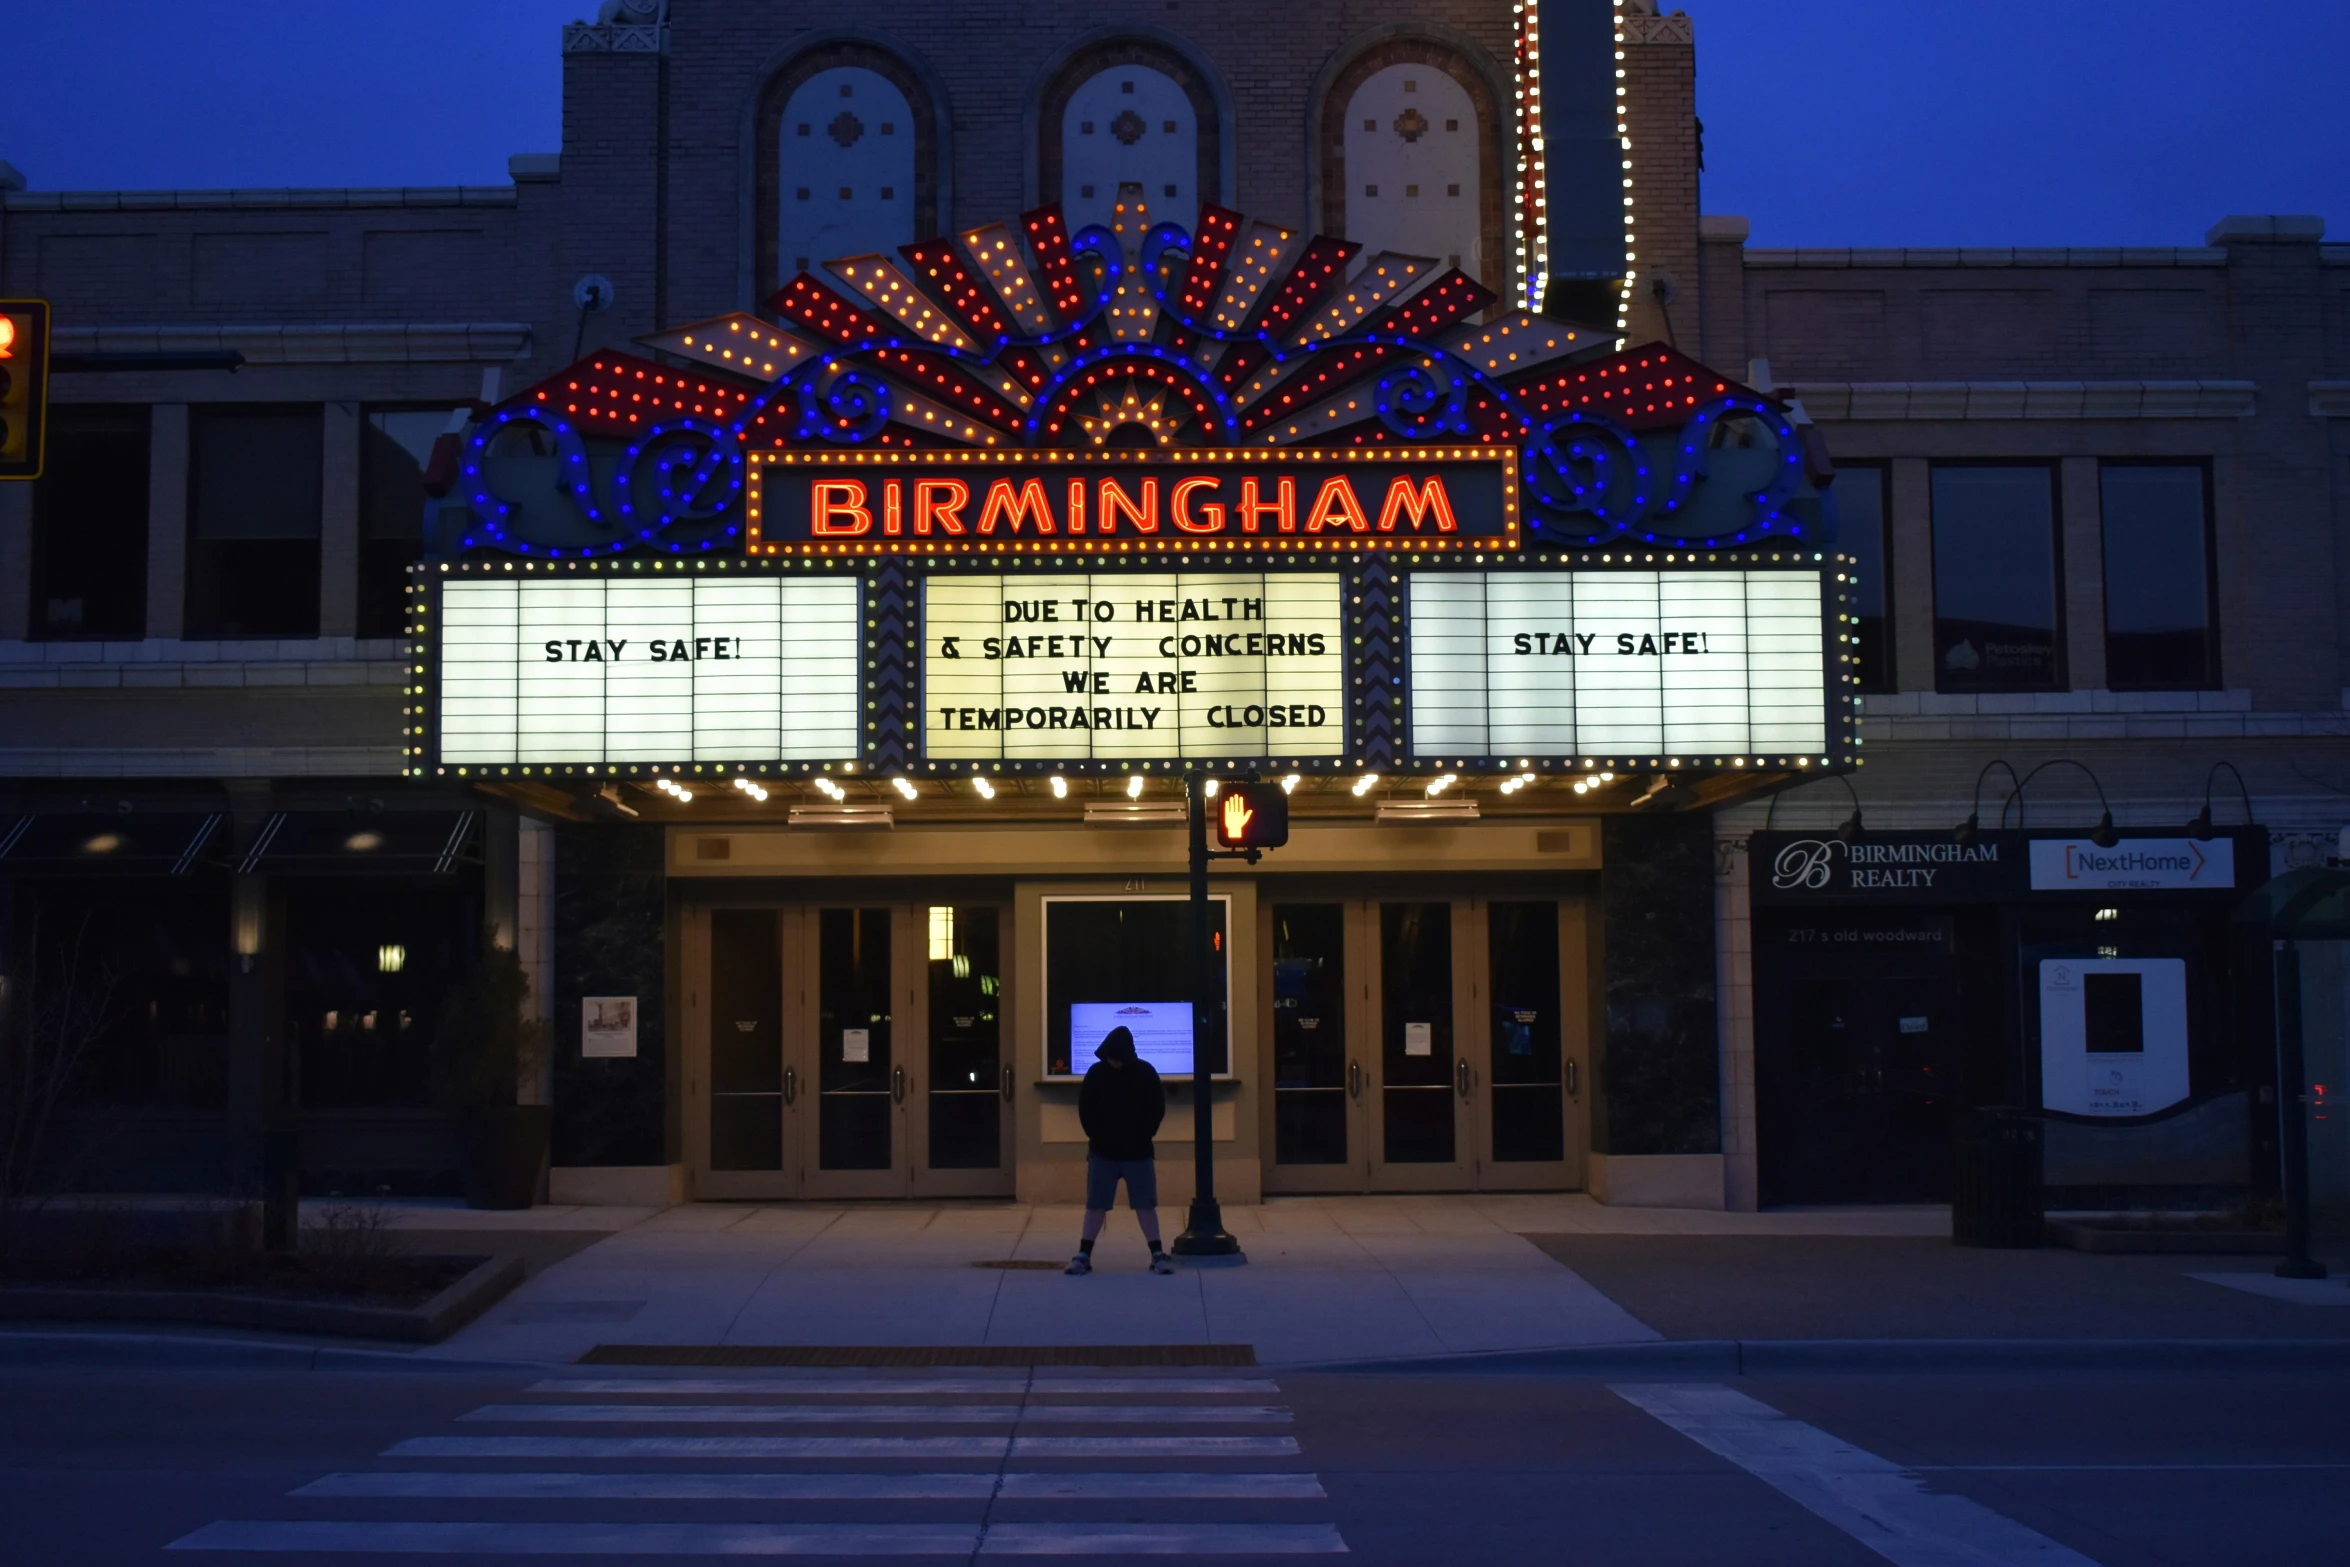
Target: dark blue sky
point(1829, 122)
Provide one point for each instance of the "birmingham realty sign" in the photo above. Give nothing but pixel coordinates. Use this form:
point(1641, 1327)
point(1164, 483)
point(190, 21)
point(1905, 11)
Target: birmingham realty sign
point(1794, 869)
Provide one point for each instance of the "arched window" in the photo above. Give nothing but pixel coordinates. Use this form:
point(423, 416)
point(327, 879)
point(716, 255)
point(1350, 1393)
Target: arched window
point(1129, 113)
point(848, 158)
point(1410, 161)
point(1128, 125)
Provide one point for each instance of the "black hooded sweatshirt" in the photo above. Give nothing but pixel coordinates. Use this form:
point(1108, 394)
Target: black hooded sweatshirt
point(1122, 1102)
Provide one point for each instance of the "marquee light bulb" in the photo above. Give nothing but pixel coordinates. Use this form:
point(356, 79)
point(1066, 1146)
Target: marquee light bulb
point(1134, 787)
point(1365, 784)
point(986, 790)
point(1211, 787)
point(1437, 786)
point(904, 787)
point(1289, 784)
point(1060, 787)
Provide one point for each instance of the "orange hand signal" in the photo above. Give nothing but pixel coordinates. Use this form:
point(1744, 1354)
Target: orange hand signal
point(1237, 816)
point(7, 338)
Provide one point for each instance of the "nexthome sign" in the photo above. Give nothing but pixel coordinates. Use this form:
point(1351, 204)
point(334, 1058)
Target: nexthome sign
point(933, 502)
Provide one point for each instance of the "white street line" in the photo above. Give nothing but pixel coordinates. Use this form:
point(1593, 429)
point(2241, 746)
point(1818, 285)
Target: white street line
point(764, 1539)
point(880, 1414)
point(976, 1486)
point(906, 1387)
point(589, 1539)
point(1153, 1446)
point(1228, 1487)
point(610, 1447)
point(1162, 1539)
point(1880, 1504)
point(1254, 1387)
point(854, 1387)
point(1930, 1469)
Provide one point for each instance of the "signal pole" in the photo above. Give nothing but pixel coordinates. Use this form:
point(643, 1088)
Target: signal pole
point(1204, 1235)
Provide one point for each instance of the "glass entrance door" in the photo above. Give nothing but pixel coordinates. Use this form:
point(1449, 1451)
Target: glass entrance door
point(1419, 1111)
point(845, 1052)
point(1426, 1045)
point(964, 1107)
point(860, 1085)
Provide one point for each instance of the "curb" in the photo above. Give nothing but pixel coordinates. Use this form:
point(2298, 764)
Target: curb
point(63, 1348)
point(1757, 1357)
point(481, 1287)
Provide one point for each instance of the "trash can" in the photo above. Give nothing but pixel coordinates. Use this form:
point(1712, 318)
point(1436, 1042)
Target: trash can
point(1995, 1193)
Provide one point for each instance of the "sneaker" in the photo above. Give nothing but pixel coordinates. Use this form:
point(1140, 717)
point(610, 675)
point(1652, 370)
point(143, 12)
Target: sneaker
point(1080, 1263)
point(1162, 1263)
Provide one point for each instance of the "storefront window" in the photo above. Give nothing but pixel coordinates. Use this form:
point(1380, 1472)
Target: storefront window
point(2158, 578)
point(126, 992)
point(1108, 954)
point(1860, 533)
point(90, 525)
point(395, 447)
point(1995, 579)
point(370, 970)
point(253, 521)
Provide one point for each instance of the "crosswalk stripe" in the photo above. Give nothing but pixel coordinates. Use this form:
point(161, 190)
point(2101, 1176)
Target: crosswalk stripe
point(1162, 1539)
point(766, 1539)
point(1224, 1487)
point(609, 1447)
point(880, 1414)
point(976, 1485)
point(588, 1539)
point(860, 1387)
point(622, 1447)
point(1153, 1446)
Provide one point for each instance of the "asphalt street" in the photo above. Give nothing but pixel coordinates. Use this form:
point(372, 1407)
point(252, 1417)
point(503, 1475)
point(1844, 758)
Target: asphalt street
point(112, 1465)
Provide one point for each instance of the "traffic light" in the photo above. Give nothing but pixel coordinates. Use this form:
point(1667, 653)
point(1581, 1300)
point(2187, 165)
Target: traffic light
point(24, 385)
point(1252, 816)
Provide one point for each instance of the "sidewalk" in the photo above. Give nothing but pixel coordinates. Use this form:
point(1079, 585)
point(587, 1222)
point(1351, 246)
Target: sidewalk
point(1327, 1278)
point(1332, 1279)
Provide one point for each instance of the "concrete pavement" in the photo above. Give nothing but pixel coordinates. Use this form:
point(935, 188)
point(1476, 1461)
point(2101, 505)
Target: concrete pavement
point(1327, 1279)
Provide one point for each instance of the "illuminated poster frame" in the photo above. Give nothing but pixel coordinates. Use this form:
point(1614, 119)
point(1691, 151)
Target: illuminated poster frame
point(1381, 702)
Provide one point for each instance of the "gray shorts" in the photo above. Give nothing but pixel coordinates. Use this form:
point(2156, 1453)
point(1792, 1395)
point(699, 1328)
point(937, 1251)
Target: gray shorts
point(1103, 1175)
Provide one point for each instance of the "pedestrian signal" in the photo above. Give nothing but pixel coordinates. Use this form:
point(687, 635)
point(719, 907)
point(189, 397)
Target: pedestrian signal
point(1252, 816)
point(24, 385)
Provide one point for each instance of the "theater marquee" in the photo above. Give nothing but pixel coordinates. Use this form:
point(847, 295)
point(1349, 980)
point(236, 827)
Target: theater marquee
point(947, 502)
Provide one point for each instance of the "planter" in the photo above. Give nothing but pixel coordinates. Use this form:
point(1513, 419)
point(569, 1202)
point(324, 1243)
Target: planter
point(505, 1149)
point(479, 1289)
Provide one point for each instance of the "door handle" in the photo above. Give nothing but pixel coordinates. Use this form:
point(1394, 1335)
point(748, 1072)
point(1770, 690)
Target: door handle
point(791, 1086)
point(897, 1084)
point(1354, 1080)
point(1460, 1076)
point(1574, 1077)
point(1007, 1085)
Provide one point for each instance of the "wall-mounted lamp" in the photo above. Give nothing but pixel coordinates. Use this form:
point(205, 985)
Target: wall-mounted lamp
point(1967, 831)
point(2199, 826)
point(2103, 834)
point(390, 958)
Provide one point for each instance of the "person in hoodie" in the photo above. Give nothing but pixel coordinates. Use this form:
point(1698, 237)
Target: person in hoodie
point(1120, 1107)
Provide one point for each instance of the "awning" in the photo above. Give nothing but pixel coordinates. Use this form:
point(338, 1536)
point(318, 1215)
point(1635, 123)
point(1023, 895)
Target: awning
point(2310, 904)
point(92, 843)
point(362, 843)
